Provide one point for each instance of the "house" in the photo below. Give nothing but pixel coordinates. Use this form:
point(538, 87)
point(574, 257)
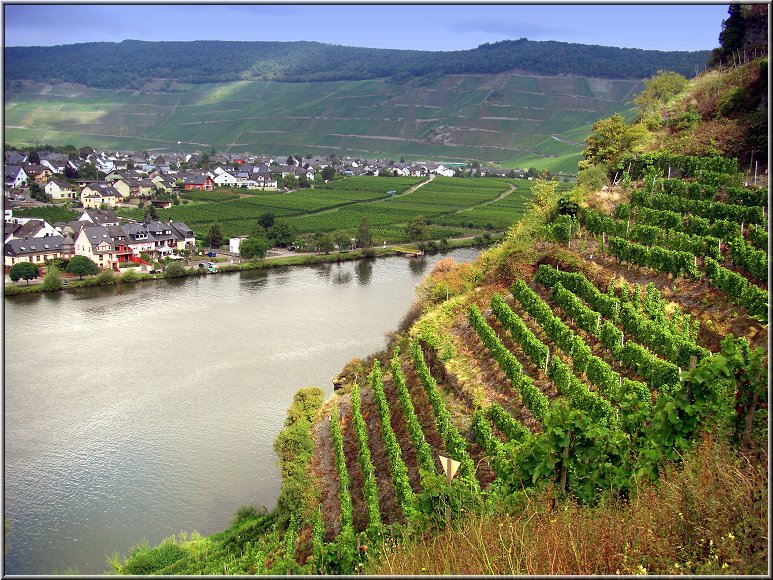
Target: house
point(198, 183)
point(161, 234)
point(97, 193)
point(225, 178)
point(15, 176)
point(123, 252)
point(37, 250)
point(122, 186)
point(262, 181)
point(165, 183)
point(97, 244)
point(14, 158)
point(20, 228)
point(161, 203)
point(60, 189)
point(186, 239)
point(100, 217)
point(137, 239)
point(37, 173)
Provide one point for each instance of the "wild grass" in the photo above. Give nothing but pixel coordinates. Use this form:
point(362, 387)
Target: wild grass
point(707, 516)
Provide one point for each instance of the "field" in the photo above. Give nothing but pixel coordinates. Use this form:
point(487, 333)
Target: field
point(343, 203)
point(506, 118)
point(573, 365)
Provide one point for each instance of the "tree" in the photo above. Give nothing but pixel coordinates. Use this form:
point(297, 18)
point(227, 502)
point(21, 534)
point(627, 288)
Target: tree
point(364, 237)
point(417, 228)
point(82, 266)
point(215, 236)
point(325, 243)
point(328, 172)
point(26, 270)
point(281, 234)
point(659, 89)
point(33, 157)
point(733, 30)
point(151, 214)
point(609, 140)
point(267, 220)
point(290, 182)
point(342, 240)
point(53, 278)
point(88, 171)
point(254, 248)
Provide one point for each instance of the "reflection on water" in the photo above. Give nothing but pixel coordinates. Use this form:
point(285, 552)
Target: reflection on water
point(364, 270)
point(418, 265)
point(144, 410)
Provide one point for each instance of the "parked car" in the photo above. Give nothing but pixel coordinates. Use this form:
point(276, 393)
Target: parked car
point(211, 254)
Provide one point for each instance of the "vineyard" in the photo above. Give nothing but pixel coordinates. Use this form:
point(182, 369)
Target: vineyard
point(453, 206)
point(584, 361)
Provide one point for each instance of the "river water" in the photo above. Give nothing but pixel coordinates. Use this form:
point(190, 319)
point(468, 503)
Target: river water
point(143, 411)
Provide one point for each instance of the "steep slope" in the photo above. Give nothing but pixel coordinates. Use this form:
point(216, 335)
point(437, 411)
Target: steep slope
point(501, 117)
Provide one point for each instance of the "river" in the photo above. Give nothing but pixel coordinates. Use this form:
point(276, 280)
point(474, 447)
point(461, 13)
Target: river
point(143, 411)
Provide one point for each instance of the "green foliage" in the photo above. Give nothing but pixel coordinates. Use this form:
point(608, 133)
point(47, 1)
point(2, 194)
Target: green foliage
point(369, 487)
point(405, 496)
point(739, 290)
point(455, 444)
point(23, 270)
point(215, 236)
point(82, 266)
point(423, 451)
point(610, 140)
point(294, 446)
point(660, 88)
point(216, 62)
point(254, 248)
point(53, 278)
point(532, 397)
point(416, 229)
point(346, 538)
point(174, 270)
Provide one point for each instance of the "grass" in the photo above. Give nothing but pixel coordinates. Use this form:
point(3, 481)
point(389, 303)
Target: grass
point(707, 517)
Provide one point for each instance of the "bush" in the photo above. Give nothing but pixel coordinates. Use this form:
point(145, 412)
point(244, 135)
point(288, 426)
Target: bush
point(174, 270)
point(53, 279)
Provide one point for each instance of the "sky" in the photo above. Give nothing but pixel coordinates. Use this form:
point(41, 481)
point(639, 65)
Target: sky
point(441, 27)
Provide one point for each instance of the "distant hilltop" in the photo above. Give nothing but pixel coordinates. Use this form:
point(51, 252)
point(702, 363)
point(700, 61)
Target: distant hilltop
point(129, 64)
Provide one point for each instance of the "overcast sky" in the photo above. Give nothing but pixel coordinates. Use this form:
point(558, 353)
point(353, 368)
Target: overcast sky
point(420, 27)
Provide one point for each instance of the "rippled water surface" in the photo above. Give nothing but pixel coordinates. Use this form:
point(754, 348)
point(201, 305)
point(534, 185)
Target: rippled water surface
point(140, 412)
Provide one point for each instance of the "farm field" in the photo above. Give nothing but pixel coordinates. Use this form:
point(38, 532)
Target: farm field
point(342, 204)
point(505, 117)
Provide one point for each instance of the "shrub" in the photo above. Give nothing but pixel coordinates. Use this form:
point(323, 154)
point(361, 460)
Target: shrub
point(174, 270)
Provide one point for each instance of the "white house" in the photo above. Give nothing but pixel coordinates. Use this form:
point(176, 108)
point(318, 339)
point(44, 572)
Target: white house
point(225, 178)
point(59, 189)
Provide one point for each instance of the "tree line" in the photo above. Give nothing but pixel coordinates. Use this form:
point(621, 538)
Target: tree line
point(129, 64)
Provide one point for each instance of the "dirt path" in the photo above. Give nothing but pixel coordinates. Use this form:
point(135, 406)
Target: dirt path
point(324, 472)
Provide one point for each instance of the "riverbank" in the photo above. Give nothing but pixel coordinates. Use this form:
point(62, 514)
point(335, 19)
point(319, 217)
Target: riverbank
point(107, 278)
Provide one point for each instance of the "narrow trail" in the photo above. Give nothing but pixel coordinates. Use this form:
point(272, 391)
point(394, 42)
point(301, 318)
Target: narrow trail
point(502, 195)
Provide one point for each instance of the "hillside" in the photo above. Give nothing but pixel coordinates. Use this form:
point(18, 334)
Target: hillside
point(509, 118)
point(521, 103)
point(599, 377)
point(130, 63)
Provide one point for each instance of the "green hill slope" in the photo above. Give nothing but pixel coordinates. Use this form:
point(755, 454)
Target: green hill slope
point(504, 117)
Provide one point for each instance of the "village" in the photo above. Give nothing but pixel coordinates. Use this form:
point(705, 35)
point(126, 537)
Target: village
point(99, 182)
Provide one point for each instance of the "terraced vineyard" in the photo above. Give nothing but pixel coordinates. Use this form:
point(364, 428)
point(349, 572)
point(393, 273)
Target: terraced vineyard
point(583, 362)
point(457, 117)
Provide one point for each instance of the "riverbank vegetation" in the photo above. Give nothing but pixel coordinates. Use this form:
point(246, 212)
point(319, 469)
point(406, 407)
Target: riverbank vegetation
point(599, 375)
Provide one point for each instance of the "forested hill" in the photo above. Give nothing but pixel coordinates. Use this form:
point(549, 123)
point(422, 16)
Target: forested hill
point(129, 64)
